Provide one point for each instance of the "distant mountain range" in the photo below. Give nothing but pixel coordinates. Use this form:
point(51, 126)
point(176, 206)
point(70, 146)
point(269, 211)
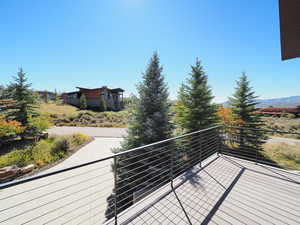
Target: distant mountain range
point(291, 101)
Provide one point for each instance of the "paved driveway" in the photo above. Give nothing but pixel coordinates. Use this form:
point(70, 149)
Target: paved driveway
point(91, 131)
point(78, 196)
point(290, 141)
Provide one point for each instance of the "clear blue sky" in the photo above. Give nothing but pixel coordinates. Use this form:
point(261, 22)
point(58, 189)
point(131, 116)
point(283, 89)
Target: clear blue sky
point(90, 43)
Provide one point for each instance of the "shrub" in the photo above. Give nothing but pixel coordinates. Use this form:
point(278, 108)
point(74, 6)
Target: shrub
point(16, 157)
point(61, 145)
point(288, 115)
point(83, 102)
point(9, 129)
point(41, 153)
point(39, 123)
point(78, 139)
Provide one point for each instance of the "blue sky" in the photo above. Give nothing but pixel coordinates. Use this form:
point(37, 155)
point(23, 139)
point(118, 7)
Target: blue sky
point(63, 44)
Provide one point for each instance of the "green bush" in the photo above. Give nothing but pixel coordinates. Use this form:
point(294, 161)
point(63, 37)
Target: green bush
point(16, 157)
point(78, 139)
point(43, 152)
point(61, 145)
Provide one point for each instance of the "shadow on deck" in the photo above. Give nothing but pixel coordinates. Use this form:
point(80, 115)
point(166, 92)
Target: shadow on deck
point(226, 190)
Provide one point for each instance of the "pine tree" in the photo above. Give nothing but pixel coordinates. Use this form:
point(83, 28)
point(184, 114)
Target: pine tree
point(243, 105)
point(102, 105)
point(194, 109)
point(46, 99)
point(55, 96)
point(82, 102)
point(2, 92)
point(151, 120)
point(150, 123)
point(26, 101)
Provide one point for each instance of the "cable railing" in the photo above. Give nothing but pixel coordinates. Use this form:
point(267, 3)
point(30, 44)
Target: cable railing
point(99, 191)
point(270, 147)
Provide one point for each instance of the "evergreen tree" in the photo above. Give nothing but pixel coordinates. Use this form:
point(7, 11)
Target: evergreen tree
point(151, 119)
point(46, 99)
point(194, 109)
point(102, 105)
point(243, 105)
point(82, 102)
point(2, 92)
point(55, 96)
point(26, 101)
point(150, 123)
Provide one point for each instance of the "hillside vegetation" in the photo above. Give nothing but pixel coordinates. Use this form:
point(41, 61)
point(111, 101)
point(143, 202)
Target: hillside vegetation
point(283, 124)
point(283, 154)
point(42, 152)
point(66, 115)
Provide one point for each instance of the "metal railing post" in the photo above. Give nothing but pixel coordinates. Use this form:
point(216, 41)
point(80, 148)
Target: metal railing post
point(221, 134)
point(171, 167)
point(200, 164)
point(256, 155)
point(115, 187)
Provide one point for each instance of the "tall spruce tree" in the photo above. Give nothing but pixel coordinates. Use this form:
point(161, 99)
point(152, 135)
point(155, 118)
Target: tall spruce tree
point(150, 123)
point(194, 109)
point(151, 118)
point(243, 104)
point(26, 101)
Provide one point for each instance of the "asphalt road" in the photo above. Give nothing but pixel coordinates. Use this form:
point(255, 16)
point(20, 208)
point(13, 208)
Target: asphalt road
point(121, 132)
point(290, 141)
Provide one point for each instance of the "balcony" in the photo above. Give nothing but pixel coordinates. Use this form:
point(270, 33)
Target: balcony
point(213, 176)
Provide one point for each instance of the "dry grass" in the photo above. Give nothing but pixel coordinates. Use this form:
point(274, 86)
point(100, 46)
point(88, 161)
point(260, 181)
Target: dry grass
point(52, 108)
point(283, 124)
point(283, 154)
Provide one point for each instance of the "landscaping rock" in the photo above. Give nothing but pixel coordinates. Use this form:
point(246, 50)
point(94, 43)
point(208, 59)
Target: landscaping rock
point(8, 172)
point(44, 135)
point(28, 168)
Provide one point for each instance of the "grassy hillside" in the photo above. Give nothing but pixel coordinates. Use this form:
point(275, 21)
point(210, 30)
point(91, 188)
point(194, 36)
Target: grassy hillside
point(284, 124)
point(66, 115)
point(52, 108)
point(283, 154)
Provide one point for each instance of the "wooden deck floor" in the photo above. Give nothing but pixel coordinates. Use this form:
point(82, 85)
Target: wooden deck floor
point(226, 191)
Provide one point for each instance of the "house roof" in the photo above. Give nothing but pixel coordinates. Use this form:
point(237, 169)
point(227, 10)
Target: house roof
point(70, 93)
point(280, 110)
point(44, 92)
point(102, 88)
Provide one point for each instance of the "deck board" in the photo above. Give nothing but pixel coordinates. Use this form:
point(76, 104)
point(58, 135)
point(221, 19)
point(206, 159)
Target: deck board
point(226, 191)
